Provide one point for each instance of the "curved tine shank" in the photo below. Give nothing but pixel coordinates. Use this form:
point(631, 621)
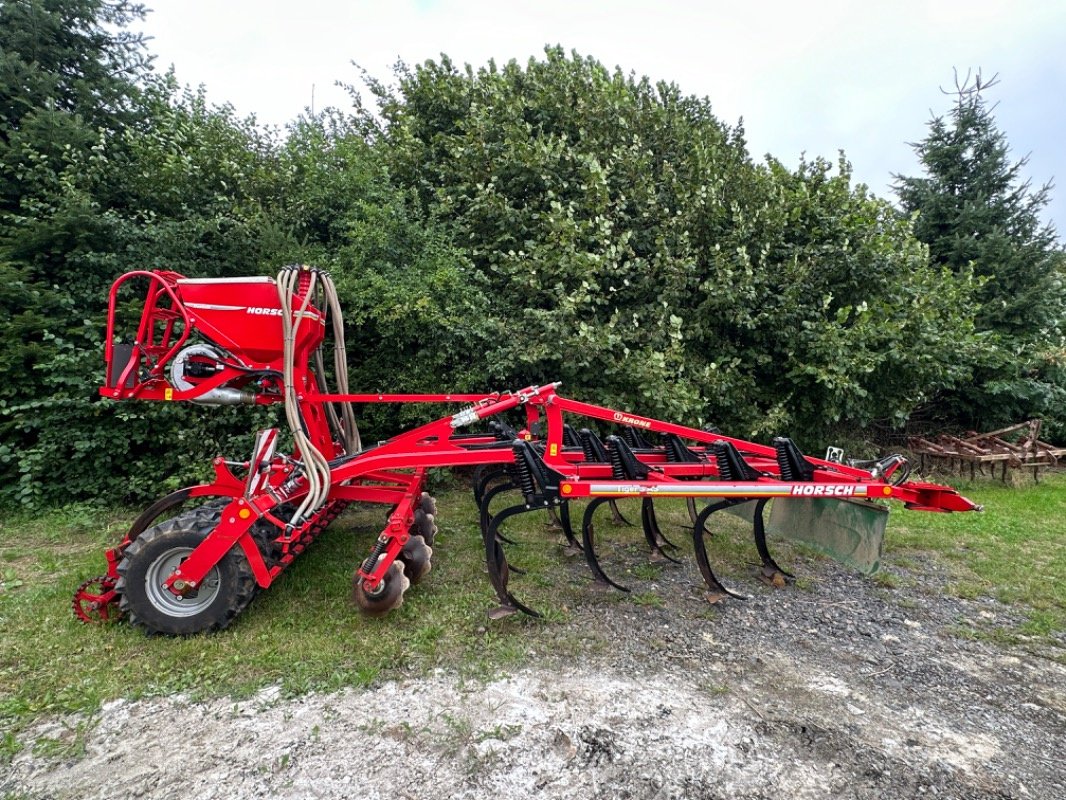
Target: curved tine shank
point(770, 568)
point(660, 537)
point(652, 534)
point(496, 563)
point(494, 525)
point(616, 515)
point(588, 544)
point(715, 586)
point(690, 504)
point(475, 481)
point(568, 529)
point(499, 570)
point(483, 478)
point(486, 501)
point(553, 518)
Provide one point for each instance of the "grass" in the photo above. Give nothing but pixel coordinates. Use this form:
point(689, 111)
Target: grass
point(303, 634)
point(1014, 551)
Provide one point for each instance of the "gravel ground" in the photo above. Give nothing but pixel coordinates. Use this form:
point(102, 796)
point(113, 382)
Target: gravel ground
point(841, 688)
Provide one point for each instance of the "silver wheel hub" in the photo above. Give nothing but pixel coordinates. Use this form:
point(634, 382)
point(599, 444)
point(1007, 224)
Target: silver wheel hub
point(187, 605)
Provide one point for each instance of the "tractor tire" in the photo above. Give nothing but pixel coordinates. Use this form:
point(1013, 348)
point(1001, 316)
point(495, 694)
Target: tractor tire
point(169, 507)
point(150, 559)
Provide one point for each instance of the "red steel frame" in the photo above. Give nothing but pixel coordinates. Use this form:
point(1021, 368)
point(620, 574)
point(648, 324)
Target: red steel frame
point(393, 473)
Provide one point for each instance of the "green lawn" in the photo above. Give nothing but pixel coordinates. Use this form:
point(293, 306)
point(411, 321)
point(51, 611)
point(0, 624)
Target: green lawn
point(303, 634)
point(1014, 551)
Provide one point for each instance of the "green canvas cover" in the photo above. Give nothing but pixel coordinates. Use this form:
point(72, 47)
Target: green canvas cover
point(850, 531)
point(743, 510)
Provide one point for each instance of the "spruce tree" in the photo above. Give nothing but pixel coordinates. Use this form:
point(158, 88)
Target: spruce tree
point(69, 74)
point(976, 211)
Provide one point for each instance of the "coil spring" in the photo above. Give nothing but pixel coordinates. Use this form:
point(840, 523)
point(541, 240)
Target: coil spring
point(586, 448)
point(525, 476)
point(569, 437)
point(725, 469)
point(783, 462)
point(375, 553)
point(618, 471)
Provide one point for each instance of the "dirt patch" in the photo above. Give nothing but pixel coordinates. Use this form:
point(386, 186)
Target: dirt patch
point(839, 689)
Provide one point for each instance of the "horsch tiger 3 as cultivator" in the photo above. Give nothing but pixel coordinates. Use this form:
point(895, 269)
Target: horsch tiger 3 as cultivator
point(193, 560)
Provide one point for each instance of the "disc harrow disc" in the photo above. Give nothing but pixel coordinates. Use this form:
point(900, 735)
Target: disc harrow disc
point(389, 594)
point(417, 558)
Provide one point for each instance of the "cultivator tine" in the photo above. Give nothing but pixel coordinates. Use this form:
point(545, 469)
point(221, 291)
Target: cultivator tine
point(716, 590)
point(654, 536)
point(475, 481)
point(589, 545)
point(553, 518)
point(596, 453)
point(486, 501)
point(572, 544)
point(624, 466)
point(483, 478)
point(690, 504)
point(616, 514)
point(499, 569)
point(771, 572)
point(678, 452)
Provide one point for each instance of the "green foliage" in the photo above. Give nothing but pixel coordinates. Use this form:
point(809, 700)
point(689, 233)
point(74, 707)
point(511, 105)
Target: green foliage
point(632, 249)
point(183, 188)
point(415, 310)
point(976, 213)
point(68, 70)
point(487, 229)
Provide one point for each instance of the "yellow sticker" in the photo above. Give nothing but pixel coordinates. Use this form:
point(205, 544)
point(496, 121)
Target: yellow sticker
point(567, 488)
point(168, 394)
point(887, 490)
point(244, 513)
point(553, 449)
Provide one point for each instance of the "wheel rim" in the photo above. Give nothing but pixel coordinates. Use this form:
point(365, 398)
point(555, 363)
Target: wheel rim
point(164, 600)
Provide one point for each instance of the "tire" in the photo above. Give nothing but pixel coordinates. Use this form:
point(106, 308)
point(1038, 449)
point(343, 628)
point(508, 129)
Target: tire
point(173, 505)
point(226, 590)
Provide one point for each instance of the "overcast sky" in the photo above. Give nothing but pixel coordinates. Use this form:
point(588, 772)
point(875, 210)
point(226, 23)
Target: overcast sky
point(813, 77)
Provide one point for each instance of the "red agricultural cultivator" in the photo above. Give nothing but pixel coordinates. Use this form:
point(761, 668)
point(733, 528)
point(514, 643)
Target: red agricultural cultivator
point(194, 559)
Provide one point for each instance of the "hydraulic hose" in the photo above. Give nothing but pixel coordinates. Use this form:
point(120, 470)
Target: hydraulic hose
point(316, 465)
